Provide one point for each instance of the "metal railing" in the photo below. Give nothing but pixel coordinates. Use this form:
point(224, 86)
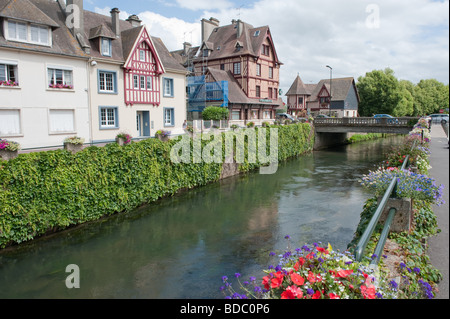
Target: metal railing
point(364, 240)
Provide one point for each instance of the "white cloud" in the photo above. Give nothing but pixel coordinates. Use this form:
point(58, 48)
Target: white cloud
point(197, 5)
point(412, 37)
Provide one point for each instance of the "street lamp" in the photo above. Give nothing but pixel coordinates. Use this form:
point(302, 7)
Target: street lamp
point(331, 80)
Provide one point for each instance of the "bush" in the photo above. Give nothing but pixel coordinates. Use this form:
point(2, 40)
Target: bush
point(215, 113)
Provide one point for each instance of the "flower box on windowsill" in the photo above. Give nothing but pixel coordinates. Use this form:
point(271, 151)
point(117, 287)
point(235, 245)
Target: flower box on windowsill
point(9, 84)
point(61, 87)
point(8, 155)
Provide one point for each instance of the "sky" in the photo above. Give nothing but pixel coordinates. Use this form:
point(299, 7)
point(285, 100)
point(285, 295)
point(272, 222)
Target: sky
point(352, 36)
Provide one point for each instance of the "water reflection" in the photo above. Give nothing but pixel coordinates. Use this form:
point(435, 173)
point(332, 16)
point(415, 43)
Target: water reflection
point(180, 247)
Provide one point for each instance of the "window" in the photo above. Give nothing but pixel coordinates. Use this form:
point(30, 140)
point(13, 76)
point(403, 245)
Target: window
point(136, 81)
point(61, 121)
point(10, 122)
point(8, 72)
point(58, 78)
point(222, 67)
point(143, 82)
point(257, 33)
point(300, 101)
point(31, 33)
point(237, 68)
point(270, 93)
point(258, 69)
point(205, 53)
point(149, 83)
point(258, 91)
point(106, 46)
point(236, 115)
point(107, 82)
point(265, 50)
point(169, 117)
point(108, 117)
point(270, 72)
point(168, 87)
point(142, 55)
point(39, 34)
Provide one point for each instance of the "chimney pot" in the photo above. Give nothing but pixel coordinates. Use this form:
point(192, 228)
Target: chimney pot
point(115, 20)
point(134, 20)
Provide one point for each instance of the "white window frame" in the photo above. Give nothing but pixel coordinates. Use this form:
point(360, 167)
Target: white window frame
point(142, 55)
point(65, 71)
point(105, 46)
point(168, 87)
point(136, 81)
point(44, 33)
point(18, 133)
point(7, 65)
point(102, 75)
point(169, 117)
point(53, 131)
point(111, 114)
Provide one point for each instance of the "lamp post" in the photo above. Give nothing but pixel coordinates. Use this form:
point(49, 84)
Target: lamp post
point(331, 80)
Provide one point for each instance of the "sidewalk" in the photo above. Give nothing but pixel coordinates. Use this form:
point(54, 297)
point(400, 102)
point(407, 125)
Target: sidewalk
point(438, 249)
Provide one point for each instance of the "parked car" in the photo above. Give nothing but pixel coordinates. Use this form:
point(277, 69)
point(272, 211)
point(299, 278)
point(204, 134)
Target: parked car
point(390, 118)
point(285, 116)
point(439, 118)
point(322, 116)
point(302, 119)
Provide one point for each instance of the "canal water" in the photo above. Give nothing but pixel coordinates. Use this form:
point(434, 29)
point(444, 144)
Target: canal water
point(180, 247)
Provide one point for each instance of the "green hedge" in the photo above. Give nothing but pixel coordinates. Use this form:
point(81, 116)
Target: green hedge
point(50, 191)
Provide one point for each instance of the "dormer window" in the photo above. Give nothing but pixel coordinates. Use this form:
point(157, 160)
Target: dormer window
point(26, 32)
point(105, 46)
point(257, 33)
point(205, 53)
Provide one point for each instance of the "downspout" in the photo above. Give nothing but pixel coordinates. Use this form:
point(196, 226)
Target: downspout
point(91, 141)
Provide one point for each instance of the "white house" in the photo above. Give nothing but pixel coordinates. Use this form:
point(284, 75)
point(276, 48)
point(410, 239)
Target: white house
point(43, 76)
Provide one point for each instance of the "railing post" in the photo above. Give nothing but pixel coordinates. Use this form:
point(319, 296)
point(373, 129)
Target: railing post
point(383, 237)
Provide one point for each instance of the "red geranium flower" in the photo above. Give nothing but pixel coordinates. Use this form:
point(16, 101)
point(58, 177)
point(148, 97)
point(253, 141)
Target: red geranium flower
point(297, 279)
point(333, 296)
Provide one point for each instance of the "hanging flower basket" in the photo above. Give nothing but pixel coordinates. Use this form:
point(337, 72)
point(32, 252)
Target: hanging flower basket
point(9, 150)
point(73, 144)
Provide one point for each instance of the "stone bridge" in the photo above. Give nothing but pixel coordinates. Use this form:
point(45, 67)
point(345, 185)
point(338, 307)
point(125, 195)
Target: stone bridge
point(335, 131)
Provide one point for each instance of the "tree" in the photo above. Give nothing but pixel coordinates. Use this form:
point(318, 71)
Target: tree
point(430, 96)
point(380, 93)
point(215, 113)
point(405, 106)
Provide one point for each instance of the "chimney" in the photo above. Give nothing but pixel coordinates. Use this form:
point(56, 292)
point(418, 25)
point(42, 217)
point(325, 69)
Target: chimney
point(115, 21)
point(208, 27)
point(74, 9)
point(134, 20)
point(240, 28)
point(186, 47)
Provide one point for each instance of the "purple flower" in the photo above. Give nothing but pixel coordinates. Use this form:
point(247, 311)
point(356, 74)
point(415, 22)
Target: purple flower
point(310, 291)
point(287, 237)
point(224, 278)
point(416, 270)
point(237, 275)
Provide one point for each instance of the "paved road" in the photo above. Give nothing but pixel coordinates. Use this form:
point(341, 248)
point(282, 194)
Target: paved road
point(439, 245)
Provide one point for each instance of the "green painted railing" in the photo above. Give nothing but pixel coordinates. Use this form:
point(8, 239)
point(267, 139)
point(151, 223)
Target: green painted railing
point(364, 240)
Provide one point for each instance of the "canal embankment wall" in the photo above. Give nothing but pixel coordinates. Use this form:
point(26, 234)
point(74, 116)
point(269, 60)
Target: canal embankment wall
point(46, 192)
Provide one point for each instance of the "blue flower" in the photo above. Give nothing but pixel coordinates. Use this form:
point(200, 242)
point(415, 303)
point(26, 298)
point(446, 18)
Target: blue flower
point(416, 270)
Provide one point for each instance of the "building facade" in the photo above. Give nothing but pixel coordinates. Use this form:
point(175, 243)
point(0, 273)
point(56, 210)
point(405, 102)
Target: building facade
point(337, 97)
point(93, 78)
point(43, 76)
point(246, 58)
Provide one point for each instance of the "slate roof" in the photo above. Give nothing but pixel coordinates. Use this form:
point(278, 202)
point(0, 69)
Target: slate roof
point(223, 40)
point(45, 12)
point(298, 88)
point(25, 10)
point(235, 93)
point(339, 88)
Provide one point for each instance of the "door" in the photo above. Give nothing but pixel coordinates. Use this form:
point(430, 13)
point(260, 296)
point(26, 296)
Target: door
point(139, 123)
